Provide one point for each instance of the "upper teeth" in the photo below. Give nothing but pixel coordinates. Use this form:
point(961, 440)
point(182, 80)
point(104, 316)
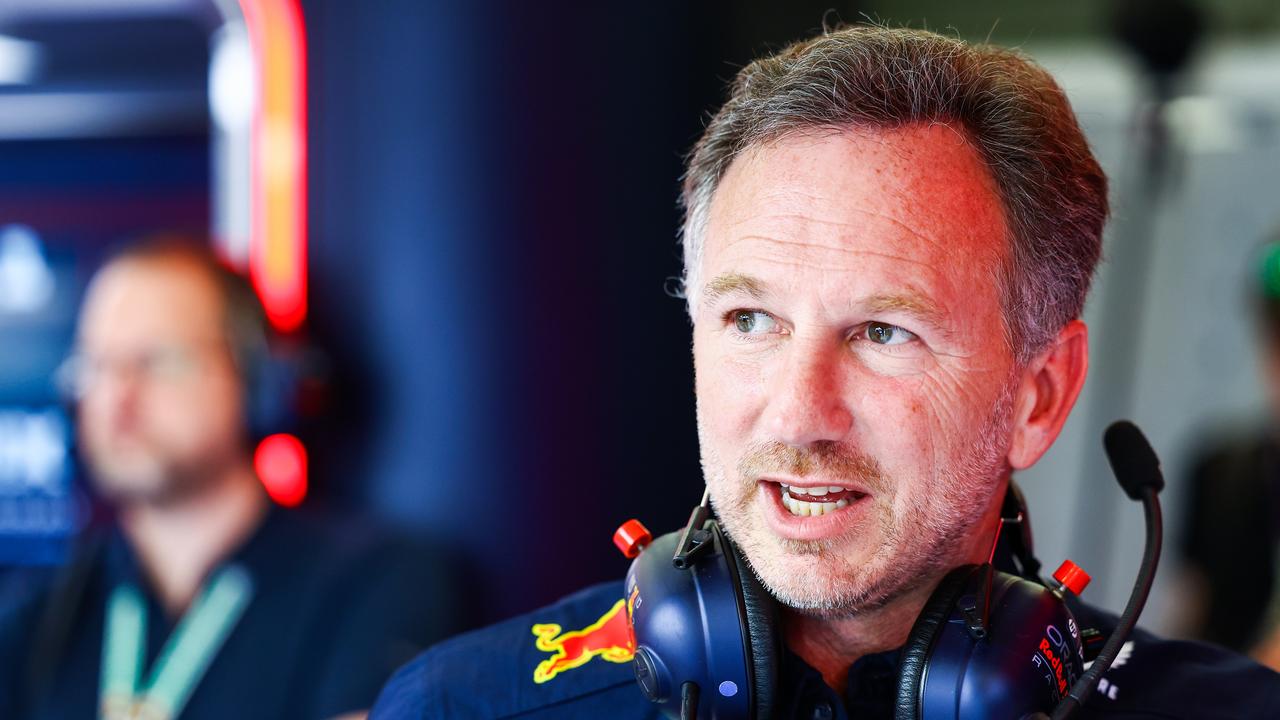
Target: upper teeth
point(805, 508)
point(820, 490)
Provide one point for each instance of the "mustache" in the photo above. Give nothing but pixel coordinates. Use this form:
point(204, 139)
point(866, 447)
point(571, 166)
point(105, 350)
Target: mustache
point(826, 458)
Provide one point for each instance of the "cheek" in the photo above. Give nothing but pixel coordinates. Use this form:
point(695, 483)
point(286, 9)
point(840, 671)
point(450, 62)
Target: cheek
point(92, 408)
point(93, 415)
point(730, 392)
point(204, 413)
point(911, 426)
point(897, 418)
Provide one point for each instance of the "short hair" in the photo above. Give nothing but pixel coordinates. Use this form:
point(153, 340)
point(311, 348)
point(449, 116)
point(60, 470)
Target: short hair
point(245, 323)
point(1053, 192)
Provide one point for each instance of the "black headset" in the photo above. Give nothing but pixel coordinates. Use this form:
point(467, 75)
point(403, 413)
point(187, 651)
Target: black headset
point(272, 378)
point(987, 644)
point(271, 372)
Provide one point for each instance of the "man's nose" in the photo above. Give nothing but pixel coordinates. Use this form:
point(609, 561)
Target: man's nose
point(806, 399)
point(116, 388)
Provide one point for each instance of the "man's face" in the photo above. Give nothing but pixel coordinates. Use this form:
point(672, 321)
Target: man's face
point(854, 379)
point(160, 409)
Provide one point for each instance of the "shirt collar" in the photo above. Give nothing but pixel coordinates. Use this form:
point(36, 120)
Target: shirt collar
point(122, 565)
point(870, 689)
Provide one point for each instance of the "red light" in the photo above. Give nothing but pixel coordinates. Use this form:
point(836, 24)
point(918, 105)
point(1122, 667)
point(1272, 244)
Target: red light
point(278, 206)
point(281, 464)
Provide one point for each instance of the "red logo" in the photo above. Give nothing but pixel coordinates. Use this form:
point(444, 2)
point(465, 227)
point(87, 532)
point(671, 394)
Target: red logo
point(1055, 663)
point(609, 638)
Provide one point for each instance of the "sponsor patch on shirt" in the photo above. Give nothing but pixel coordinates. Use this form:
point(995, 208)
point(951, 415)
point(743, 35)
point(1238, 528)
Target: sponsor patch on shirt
point(609, 638)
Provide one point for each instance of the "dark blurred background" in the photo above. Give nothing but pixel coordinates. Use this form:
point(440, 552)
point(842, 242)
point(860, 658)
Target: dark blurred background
point(492, 236)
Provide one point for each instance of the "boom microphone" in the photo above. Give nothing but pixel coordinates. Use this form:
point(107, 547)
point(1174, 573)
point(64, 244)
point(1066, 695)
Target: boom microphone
point(1137, 469)
point(1132, 460)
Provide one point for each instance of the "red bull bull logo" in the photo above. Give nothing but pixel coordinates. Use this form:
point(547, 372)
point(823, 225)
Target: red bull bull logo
point(609, 638)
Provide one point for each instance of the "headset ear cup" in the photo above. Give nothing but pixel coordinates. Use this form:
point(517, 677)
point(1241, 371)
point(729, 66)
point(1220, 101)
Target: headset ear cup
point(915, 654)
point(761, 612)
point(270, 396)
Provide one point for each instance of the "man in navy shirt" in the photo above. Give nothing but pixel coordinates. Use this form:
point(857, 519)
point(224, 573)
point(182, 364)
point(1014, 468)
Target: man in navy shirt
point(889, 238)
point(202, 599)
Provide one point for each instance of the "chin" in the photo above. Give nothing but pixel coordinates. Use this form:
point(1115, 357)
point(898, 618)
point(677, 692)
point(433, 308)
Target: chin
point(827, 577)
point(130, 480)
point(130, 492)
point(844, 591)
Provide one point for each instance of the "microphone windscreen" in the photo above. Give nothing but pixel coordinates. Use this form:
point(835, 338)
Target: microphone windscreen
point(1132, 459)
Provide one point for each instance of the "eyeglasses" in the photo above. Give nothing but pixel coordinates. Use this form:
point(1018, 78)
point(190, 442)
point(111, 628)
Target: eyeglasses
point(163, 364)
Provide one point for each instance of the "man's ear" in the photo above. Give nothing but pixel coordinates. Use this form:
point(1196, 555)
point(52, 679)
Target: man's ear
point(1047, 391)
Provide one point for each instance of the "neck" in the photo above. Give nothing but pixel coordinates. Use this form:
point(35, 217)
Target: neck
point(181, 541)
point(832, 644)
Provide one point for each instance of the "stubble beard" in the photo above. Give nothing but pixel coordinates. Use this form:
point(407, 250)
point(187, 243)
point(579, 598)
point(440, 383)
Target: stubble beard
point(918, 540)
point(157, 479)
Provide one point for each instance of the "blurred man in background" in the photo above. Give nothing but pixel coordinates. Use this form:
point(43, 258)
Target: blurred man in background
point(204, 600)
point(1232, 531)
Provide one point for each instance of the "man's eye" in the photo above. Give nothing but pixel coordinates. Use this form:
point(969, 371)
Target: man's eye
point(168, 363)
point(886, 334)
point(753, 322)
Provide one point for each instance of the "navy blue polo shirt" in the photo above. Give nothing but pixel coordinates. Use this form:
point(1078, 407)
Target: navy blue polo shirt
point(494, 673)
point(335, 609)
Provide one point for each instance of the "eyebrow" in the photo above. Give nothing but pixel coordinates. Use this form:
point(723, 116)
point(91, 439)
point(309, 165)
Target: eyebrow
point(911, 304)
point(733, 283)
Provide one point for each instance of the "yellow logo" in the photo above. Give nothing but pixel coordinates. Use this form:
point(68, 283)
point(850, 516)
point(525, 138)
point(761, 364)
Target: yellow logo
point(609, 638)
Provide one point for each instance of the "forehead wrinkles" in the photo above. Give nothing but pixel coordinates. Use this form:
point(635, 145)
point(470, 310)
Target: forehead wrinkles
point(789, 233)
point(957, 192)
point(919, 195)
point(836, 259)
point(924, 180)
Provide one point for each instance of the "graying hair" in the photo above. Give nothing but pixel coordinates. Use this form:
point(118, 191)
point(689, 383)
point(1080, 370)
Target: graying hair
point(1053, 191)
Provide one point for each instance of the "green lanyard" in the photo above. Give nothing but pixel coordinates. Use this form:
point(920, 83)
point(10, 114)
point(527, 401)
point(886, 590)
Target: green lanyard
point(185, 656)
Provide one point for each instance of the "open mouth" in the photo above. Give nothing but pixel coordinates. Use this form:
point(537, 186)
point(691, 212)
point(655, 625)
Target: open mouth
point(816, 501)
